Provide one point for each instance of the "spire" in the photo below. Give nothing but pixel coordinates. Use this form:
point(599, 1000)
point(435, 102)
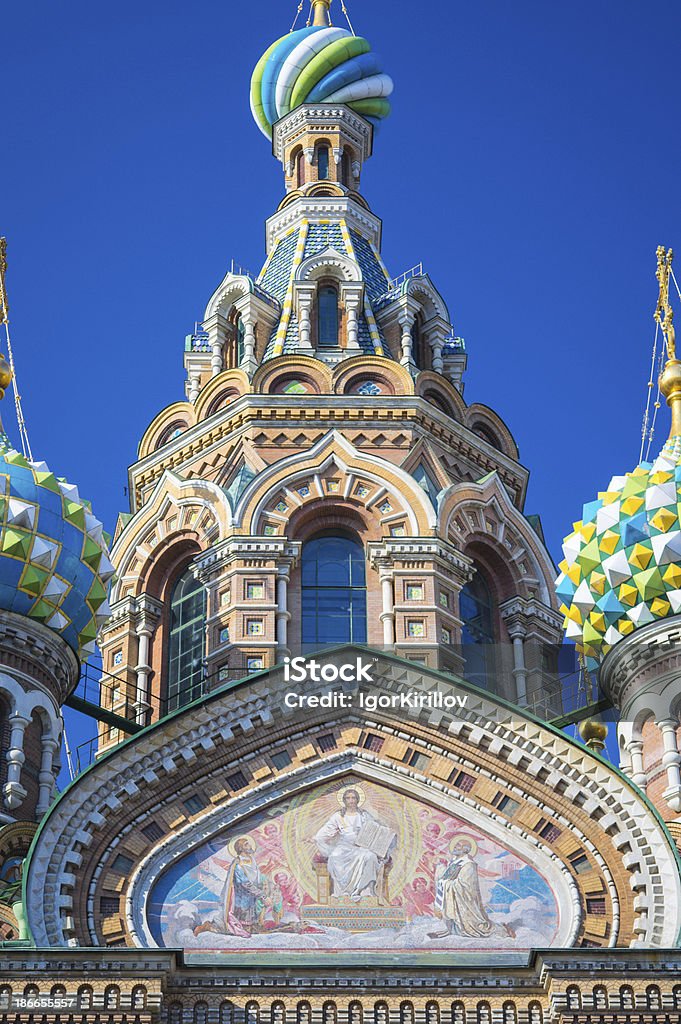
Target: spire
point(320, 10)
point(670, 378)
point(5, 370)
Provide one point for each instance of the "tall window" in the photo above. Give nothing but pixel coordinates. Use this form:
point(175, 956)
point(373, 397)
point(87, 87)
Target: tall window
point(334, 597)
point(240, 335)
point(323, 163)
point(327, 315)
point(186, 642)
point(300, 169)
point(476, 611)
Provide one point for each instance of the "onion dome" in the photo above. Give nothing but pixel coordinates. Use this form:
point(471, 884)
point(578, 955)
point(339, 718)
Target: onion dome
point(622, 565)
point(54, 564)
point(318, 64)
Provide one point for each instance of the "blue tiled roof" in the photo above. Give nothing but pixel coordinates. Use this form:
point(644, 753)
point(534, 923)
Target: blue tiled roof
point(324, 236)
point(278, 274)
point(372, 272)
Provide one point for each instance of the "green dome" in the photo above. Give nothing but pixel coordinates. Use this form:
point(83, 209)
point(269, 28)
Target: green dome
point(622, 566)
point(54, 563)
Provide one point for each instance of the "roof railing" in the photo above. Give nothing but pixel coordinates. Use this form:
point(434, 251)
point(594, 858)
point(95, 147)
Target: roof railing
point(397, 282)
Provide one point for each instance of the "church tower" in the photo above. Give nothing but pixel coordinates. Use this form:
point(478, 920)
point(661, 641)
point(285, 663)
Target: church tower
point(395, 829)
point(324, 481)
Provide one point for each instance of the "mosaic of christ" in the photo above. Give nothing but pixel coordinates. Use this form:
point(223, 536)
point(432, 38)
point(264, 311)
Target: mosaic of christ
point(352, 864)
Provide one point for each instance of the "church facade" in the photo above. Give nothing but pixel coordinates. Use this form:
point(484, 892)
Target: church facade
point(332, 781)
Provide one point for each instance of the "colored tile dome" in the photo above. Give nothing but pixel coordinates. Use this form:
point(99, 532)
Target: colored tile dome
point(54, 564)
point(318, 64)
point(622, 566)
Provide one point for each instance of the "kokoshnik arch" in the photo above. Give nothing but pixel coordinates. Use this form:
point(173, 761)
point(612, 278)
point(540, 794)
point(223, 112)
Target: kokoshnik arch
point(325, 487)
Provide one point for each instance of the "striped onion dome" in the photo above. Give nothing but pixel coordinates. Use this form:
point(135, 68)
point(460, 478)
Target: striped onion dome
point(318, 64)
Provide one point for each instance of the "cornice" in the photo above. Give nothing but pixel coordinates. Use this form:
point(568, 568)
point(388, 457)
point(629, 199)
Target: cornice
point(315, 208)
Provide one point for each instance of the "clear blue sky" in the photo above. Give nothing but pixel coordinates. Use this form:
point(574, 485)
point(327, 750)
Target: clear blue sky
point(531, 162)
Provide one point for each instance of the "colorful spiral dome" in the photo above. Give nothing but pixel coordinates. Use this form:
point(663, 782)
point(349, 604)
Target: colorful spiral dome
point(319, 64)
point(54, 563)
point(622, 566)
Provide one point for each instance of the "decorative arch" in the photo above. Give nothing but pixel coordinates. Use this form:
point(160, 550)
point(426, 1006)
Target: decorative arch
point(484, 422)
point(194, 510)
point(334, 469)
point(226, 387)
point(231, 288)
point(178, 416)
point(393, 375)
point(428, 297)
point(438, 391)
point(482, 515)
point(329, 263)
point(275, 371)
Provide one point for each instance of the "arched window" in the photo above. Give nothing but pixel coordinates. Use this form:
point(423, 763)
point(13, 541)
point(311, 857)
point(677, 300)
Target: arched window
point(509, 1014)
point(653, 998)
point(676, 997)
point(240, 335)
point(201, 1013)
point(574, 998)
point(84, 997)
point(600, 998)
point(432, 1013)
point(476, 610)
point(227, 1013)
point(458, 1013)
point(323, 163)
point(138, 999)
point(300, 169)
point(355, 1013)
point(186, 641)
point(346, 164)
point(406, 1013)
point(534, 1014)
point(329, 1013)
point(627, 997)
point(484, 1014)
point(112, 997)
point(380, 1013)
point(327, 316)
point(334, 598)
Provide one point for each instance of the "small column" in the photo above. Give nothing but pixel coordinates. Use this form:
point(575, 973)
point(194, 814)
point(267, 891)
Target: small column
point(406, 323)
point(352, 296)
point(216, 359)
point(305, 294)
point(519, 668)
point(638, 775)
point(282, 614)
point(147, 618)
point(49, 747)
point(671, 759)
point(194, 386)
point(248, 362)
point(388, 612)
point(13, 790)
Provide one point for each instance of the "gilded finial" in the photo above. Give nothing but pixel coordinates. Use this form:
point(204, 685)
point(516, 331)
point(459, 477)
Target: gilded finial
point(320, 11)
point(5, 371)
point(594, 734)
point(670, 378)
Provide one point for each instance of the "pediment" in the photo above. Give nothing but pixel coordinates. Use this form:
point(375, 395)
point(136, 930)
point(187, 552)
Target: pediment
point(179, 793)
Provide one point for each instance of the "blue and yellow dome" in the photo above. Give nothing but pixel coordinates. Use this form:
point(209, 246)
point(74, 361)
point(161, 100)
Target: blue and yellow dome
point(318, 64)
point(622, 566)
point(54, 563)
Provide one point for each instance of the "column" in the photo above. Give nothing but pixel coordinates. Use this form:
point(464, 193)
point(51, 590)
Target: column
point(352, 297)
point(14, 791)
point(388, 612)
point(216, 359)
point(141, 703)
point(248, 362)
point(638, 775)
point(194, 386)
point(305, 294)
point(282, 614)
point(406, 323)
point(671, 759)
point(519, 667)
point(49, 747)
